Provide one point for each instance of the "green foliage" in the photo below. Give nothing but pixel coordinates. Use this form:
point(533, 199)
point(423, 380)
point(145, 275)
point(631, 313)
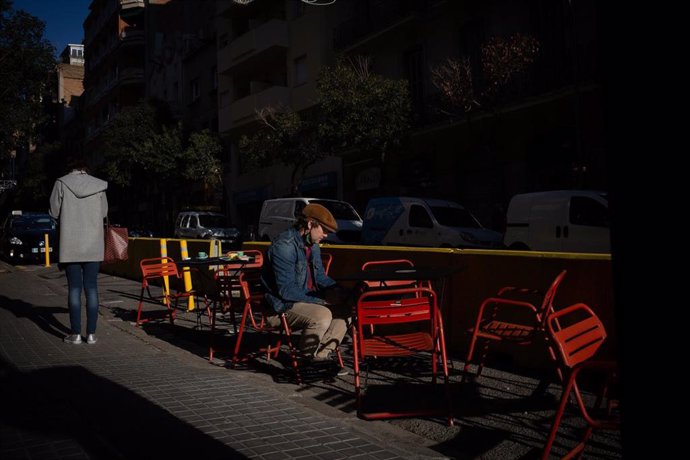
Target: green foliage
point(26, 66)
point(356, 110)
point(284, 137)
point(361, 110)
point(140, 149)
point(203, 152)
point(42, 168)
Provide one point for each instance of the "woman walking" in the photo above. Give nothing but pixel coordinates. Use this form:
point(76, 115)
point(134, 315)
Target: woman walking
point(79, 203)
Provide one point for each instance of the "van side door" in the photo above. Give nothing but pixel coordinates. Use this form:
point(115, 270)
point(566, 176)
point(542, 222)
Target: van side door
point(420, 228)
point(588, 226)
point(548, 221)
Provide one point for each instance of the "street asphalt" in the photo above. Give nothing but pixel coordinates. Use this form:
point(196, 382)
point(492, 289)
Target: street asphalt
point(150, 392)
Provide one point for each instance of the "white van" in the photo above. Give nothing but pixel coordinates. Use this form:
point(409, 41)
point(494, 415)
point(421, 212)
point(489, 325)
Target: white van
point(561, 220)
point(281, 213)
point(407, 221)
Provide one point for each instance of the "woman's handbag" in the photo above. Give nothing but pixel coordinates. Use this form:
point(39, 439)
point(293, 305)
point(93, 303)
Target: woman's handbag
point(116, 243)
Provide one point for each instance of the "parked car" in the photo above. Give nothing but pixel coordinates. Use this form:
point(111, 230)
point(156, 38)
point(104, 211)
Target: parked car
point(139, 232)
point(22, 238)
point(207, 225)
point(410, 221)
point(559, 220)
point(281, 213)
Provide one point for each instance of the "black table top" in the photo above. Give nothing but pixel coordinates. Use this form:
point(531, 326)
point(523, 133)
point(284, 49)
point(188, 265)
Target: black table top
point(398, 273)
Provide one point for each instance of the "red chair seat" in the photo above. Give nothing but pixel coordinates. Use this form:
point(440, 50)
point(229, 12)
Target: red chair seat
point(377, 332)
point(504, 318)
point(398, 345)
point(504, 330)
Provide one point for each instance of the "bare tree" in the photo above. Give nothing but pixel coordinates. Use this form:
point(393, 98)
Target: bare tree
point(502, 59)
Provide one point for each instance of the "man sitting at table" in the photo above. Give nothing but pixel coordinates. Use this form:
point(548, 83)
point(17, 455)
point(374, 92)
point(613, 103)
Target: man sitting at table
point(297, 284)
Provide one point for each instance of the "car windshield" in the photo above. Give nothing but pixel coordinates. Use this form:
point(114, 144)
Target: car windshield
point(209, 221)
point(339, 209)
point(454, 217)
point(34, 223)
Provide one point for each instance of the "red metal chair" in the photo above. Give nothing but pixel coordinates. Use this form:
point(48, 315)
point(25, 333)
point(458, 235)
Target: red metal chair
point(158, 268)
point(326, 260)
point(413, 306)
point(231, 294)
point(504, 319)
point(577, 333)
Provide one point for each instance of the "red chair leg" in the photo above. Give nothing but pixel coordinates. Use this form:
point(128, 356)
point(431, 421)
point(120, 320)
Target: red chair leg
point(557, 420)
point(238, 342)
point(141, 302)
point(291, 347)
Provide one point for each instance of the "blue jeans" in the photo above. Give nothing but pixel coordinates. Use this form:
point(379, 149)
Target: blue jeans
point(82, 275)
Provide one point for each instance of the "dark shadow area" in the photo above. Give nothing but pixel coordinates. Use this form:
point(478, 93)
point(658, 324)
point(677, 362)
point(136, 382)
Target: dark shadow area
point(104, 418)
point(43, 317)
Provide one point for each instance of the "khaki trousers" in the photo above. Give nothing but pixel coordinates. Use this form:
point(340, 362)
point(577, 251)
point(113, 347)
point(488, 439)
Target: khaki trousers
point(323, 327)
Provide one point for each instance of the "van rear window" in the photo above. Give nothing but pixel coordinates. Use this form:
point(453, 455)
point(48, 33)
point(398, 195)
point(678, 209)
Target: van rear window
point(454, 217)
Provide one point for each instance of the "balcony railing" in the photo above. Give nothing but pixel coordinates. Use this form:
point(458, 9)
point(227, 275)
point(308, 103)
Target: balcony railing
point(131, 76)
point(129, 7)
point(131, 35)
point(244, 110)
point(270, 35)
point(377, 16)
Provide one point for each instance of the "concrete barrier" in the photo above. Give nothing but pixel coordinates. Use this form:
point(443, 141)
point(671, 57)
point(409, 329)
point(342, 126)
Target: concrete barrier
point(480, 274)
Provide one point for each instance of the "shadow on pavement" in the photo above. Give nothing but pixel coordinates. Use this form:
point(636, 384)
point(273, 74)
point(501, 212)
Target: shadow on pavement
point(104, 418)
point(44, 317)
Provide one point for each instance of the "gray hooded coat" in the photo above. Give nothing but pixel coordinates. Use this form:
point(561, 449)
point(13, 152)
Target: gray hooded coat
point(79, 203)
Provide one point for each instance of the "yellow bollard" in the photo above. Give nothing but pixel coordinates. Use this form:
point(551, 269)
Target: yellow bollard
point(184, 253)
point(47, 248)
point(214, 251)
point(164, 253)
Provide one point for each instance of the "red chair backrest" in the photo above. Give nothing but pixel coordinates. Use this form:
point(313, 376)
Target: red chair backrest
point(158, 267)
point(410, 305)
point(374, 264)
point(547, 304)
point(396, 306)
point(326, 260)
point(576, 332)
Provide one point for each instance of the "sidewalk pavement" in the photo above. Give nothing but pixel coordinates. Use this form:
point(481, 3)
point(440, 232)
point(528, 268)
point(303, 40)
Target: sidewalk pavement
point(151, 393)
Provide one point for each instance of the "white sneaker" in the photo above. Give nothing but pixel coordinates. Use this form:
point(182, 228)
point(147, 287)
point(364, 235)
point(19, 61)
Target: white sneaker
point(91, 339)
point(74, 339)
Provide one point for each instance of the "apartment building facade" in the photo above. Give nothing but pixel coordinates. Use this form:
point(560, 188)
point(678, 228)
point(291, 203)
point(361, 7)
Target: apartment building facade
point(270, 54)
point(70, 87)
point(544, 131)
point(115, 52)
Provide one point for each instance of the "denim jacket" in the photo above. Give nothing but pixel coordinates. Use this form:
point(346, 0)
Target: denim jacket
point(285, 272)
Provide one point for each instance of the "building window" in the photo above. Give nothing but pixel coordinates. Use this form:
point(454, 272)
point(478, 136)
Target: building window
point(195, 89)
point(300, 70)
